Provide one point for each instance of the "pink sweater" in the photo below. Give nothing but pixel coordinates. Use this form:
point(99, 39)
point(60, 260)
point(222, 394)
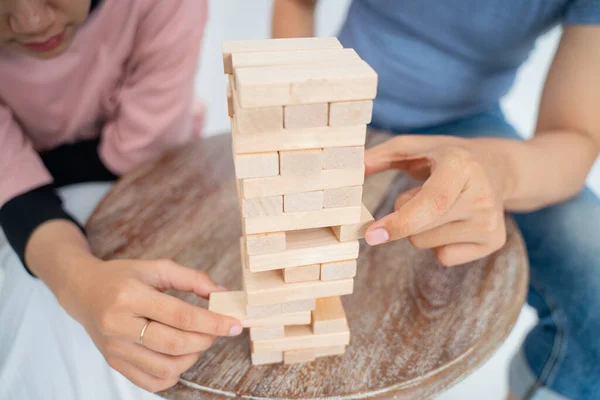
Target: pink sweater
point(128, 77)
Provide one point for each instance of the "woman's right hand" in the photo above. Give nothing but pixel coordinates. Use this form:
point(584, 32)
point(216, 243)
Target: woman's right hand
point(114, 300)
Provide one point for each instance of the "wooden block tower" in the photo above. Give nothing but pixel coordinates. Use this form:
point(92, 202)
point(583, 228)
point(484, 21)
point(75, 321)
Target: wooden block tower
point(299, 110)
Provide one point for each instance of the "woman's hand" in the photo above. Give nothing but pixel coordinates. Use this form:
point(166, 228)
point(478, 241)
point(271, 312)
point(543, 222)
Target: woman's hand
point(458, 211)
point(114, 300)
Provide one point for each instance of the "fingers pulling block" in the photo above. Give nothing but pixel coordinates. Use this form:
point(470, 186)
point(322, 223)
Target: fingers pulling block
point(256, 165)
point(301, 162)
point(343, 197)
point(338, 270)
point(301, 337)
point(267, 358)
point(298, 306)
point(262, 207)
point(347, 113)
point(233, 304)
point(329, 316)
point(266, 333)
point(304, 273)
point(265, 243)
point(302, 116)
point(354, 231)
point(307, 201)
point(343, 157)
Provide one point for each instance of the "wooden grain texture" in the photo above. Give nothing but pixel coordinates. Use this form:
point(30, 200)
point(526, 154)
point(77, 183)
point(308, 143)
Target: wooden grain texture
point(416, 327)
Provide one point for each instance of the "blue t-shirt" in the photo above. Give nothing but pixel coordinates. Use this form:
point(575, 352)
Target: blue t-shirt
point(440, 60)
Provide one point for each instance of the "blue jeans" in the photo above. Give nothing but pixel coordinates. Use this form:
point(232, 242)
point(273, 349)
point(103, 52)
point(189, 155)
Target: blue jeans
point(560, 358)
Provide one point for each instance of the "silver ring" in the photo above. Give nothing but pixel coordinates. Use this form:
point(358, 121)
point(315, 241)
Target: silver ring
point(141, 339)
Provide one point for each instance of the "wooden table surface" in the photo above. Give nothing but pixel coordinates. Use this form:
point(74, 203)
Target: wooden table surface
point(416, 327)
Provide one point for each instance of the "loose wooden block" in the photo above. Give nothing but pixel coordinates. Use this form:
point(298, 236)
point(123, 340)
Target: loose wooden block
point(266, 45)
point(298, 306)
point(267, 358)
point(265, 243)
point(338, 270)
point(343, 197)
point(256, 165)
point(270, 288)
point(299, 356)
point(305, 247)
point(354, 231)
point(233, 304)
point(292, 57)
point(348, 113)
point(263, 311)
point(302, 220)
point(343, 157)
point(303, 116)
point(298, 139)
point(276, 185)
point(329, 316)
point(304, 273)
point(262, 206)
point(260, 119)
point(307, 201)
point(301, 337)
point(266, 332)
point(301, 162)
point(303, 84)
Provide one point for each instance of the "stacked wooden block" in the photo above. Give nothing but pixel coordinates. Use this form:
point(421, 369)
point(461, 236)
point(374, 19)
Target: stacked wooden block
point(299, 109)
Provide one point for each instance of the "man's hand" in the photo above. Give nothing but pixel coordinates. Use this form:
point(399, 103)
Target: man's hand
point(458, 210)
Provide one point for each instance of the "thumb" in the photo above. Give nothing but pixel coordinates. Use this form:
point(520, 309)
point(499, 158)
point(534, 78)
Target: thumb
point(176, 277)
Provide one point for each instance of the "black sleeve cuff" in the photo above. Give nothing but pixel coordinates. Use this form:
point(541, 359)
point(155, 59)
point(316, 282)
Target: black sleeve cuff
point(20, 216)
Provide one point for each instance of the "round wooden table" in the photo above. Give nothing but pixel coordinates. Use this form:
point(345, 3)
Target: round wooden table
point(416, 327)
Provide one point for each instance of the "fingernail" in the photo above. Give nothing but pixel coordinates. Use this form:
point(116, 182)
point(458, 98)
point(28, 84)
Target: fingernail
point(222, 288)
point(377, 236)
point(235, 330)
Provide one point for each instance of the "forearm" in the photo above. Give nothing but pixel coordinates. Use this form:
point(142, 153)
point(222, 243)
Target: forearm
point(293, 18)
point(547, 169)
point(57, 252)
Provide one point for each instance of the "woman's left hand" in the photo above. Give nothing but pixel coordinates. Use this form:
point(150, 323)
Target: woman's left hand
point(458, 211)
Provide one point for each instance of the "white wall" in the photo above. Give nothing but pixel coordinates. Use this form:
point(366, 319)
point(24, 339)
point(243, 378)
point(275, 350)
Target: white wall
point(237, 19)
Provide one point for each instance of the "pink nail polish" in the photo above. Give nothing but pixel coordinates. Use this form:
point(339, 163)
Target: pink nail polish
point(377, 236)
point(222, 288)
point(235, 330)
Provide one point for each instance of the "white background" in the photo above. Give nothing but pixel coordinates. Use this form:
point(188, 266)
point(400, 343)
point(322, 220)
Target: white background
point(231, 19)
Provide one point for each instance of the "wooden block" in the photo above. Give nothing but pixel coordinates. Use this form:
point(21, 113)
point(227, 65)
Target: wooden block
point(292, 57)
point(338, 270)
point(304, 273)
point(343, 157)
point(267, 358)
point(301, 162)
point(305, 247)
point(266, 332)
point(265, 243)
point(301, 337)
point(308, 355)
point(262, 206)
point(302, 116)
point(260, 119)
point(303, 84)
point(276, 185)
point(229, 98)
point(354, 231)
point(348, 113)
point(307, 201)
point(299, 356)
point(256, 165)
point(302, 220)
point(329, 316)
point(265, 45)
point(343, 197)
point(270, 288)
point(298, 139)
point(298, 306)
point(263, 311)
point(233, 304)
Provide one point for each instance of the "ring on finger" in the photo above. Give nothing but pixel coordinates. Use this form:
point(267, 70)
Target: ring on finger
point(141, 339)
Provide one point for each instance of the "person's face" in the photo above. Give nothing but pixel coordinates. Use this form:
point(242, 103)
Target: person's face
point(41, 28)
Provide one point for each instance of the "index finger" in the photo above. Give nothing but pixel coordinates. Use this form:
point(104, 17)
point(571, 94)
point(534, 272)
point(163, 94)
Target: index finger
point(436, 197)
point(177, 313)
